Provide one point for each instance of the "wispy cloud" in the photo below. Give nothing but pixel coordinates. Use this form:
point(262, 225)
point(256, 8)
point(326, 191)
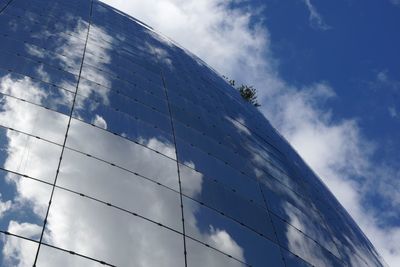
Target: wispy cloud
point(315, 19)
point(237, 44)
point(393, 112)
point(395, 2)
point(382, 82)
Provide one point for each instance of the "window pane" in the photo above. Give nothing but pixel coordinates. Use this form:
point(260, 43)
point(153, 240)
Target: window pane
point(226, 201)
point(291, 260)
point(116, 237)
point(301, 245)
point(123, 189)
point(17, 251)
point(126, 154)
point(133, 126)
point(39, 71)
point(50, 257)
point(40, 93)
point(218, 170)
point(228, 236)
point(32, 119)
point(199, 255)
point(29, 155)
point(24, 205)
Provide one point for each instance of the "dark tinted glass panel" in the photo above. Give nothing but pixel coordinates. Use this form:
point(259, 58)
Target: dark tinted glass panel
point(219, 171)
point(228, 236)
point(303, 246)
point(226, 201)
point(292, 260)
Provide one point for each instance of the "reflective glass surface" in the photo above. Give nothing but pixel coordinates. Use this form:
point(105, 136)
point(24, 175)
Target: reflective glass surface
point(111, 235)
point(119, 148)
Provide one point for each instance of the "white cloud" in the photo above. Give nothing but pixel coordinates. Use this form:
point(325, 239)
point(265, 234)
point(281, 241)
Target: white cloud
point(99, 121)
point(315, 19)
point(42, 74)
point(199, 25)
point(4, 206)
point(16, 251)
point(222, 240)
point(337, 150)
point(385, 81)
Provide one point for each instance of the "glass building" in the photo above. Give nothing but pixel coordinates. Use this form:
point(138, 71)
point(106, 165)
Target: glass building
point(120, 148)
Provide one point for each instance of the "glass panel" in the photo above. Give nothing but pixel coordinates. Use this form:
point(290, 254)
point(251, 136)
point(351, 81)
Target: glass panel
point(50, 257)
point(351, 243)
point(124, 125)
point(224, 200)
point(38, 71)
point(116, 237)
point(209, 145)
point(271, 172)
point(130, 72)
point(128, 87)
point(31, 119)
point(298, 212)
point(34, 52)
point(276, 193)
point(23, 205)
point(29, 155)
point(292, 260)
point(189, 98)
point(49, 48)
point(215, 169)
point(228, 236)
point(17, 251)
point(40, 93)
point(190, 119)
point(115, 97)
point(199, 255)
point(306, 248)
point(123, 189)
point(53, 10)
point(131, 112)
point(126, 154)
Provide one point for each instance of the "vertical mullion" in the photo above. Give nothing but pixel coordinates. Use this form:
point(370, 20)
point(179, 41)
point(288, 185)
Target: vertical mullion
point(177, 166)
point(66, 135)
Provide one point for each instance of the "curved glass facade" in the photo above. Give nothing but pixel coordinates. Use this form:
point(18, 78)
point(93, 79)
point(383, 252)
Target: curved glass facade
point(120, 148)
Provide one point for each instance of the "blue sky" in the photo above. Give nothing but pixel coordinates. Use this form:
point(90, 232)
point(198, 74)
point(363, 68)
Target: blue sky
point(354, 47)
point(328, 76)
point(356, 51)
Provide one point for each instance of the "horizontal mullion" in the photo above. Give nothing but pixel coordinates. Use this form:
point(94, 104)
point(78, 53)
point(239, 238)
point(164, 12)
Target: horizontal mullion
point(55, 247)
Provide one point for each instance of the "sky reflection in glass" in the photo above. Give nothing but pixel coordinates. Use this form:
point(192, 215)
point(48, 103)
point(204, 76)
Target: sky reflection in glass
point(147, 156)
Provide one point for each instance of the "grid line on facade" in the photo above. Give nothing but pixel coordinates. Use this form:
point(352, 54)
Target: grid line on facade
point(65, 140)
